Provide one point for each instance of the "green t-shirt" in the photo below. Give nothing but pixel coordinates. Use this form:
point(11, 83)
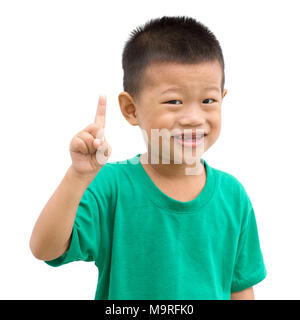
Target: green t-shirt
point(147, 245)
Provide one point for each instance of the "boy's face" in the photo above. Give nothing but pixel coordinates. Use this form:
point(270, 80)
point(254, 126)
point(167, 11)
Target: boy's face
point(193, 101)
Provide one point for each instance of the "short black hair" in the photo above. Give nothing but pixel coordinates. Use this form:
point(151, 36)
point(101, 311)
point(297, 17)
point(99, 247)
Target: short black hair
point(177, 39)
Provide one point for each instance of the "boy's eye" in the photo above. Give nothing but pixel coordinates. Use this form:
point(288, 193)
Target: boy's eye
point(209, 99)
point(172, 101)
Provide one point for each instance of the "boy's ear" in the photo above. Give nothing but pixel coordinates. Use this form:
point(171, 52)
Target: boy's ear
point(128, 108)
point(224, 93)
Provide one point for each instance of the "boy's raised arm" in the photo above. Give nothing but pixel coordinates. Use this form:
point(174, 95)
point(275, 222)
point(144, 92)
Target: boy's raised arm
point(89, 151)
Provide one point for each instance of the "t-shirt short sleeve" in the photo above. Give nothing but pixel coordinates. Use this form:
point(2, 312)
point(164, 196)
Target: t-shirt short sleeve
point(249, 265)
point(85, 241)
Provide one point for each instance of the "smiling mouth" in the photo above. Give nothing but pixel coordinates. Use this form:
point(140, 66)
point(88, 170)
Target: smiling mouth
point(190, 141)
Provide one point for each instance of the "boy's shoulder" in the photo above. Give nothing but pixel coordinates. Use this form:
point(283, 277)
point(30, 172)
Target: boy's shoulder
point(229, 190)
point(227, 183)
point(113, 171)
point(226, 177)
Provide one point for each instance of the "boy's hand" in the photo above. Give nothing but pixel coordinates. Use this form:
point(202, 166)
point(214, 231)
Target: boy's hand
point(88, 148)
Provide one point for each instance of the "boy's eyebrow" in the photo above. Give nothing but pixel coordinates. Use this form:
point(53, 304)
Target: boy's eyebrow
point(213, 88)
point(179, 89)
point(172, 89)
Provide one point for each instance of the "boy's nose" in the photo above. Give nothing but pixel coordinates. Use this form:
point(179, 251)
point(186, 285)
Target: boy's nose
point(192, 116)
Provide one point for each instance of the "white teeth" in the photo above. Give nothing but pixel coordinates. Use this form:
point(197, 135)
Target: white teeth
point(189, 138)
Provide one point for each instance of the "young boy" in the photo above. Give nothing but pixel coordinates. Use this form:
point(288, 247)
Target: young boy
point(153, 230)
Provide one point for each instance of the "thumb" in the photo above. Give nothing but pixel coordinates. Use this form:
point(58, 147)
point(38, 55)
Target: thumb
point(103, 152)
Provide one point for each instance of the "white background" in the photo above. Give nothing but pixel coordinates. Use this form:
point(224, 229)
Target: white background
point(58, 56)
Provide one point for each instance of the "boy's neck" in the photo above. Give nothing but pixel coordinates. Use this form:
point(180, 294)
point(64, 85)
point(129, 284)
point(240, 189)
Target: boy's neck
point(171, 170)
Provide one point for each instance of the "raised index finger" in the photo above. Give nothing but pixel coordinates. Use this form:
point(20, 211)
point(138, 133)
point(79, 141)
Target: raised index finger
point(101, 110)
